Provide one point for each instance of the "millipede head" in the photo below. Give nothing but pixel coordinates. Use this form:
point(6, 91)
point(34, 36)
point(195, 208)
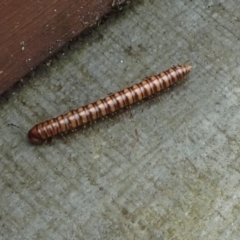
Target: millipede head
point(33, 136)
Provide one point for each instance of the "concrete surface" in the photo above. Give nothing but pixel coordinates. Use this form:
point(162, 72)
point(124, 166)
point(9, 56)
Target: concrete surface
point(168, 168)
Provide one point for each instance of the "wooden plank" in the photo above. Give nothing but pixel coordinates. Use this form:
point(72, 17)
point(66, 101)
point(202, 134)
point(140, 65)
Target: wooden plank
point(31, 31)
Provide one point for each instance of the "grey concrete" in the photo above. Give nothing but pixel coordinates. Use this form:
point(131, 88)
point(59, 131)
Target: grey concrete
point(168, 168)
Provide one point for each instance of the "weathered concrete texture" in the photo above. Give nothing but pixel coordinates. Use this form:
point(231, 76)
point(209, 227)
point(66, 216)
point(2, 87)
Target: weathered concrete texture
point(166, 169)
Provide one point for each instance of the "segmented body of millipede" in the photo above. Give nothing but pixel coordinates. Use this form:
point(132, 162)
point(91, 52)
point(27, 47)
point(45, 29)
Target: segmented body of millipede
point(107, 105)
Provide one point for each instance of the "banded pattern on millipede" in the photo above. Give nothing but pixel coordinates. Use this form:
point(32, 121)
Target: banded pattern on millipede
point(107, 105)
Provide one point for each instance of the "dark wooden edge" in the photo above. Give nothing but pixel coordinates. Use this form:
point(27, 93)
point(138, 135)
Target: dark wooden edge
point(32, 31)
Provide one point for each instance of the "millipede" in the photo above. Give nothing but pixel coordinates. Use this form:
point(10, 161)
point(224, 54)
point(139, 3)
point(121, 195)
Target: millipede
point(110, 104)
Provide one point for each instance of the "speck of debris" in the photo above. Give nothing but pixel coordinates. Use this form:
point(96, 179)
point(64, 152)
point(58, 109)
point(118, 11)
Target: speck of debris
point(22, 44)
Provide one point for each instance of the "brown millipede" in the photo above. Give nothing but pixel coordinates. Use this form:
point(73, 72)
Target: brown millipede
point(107, 105)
